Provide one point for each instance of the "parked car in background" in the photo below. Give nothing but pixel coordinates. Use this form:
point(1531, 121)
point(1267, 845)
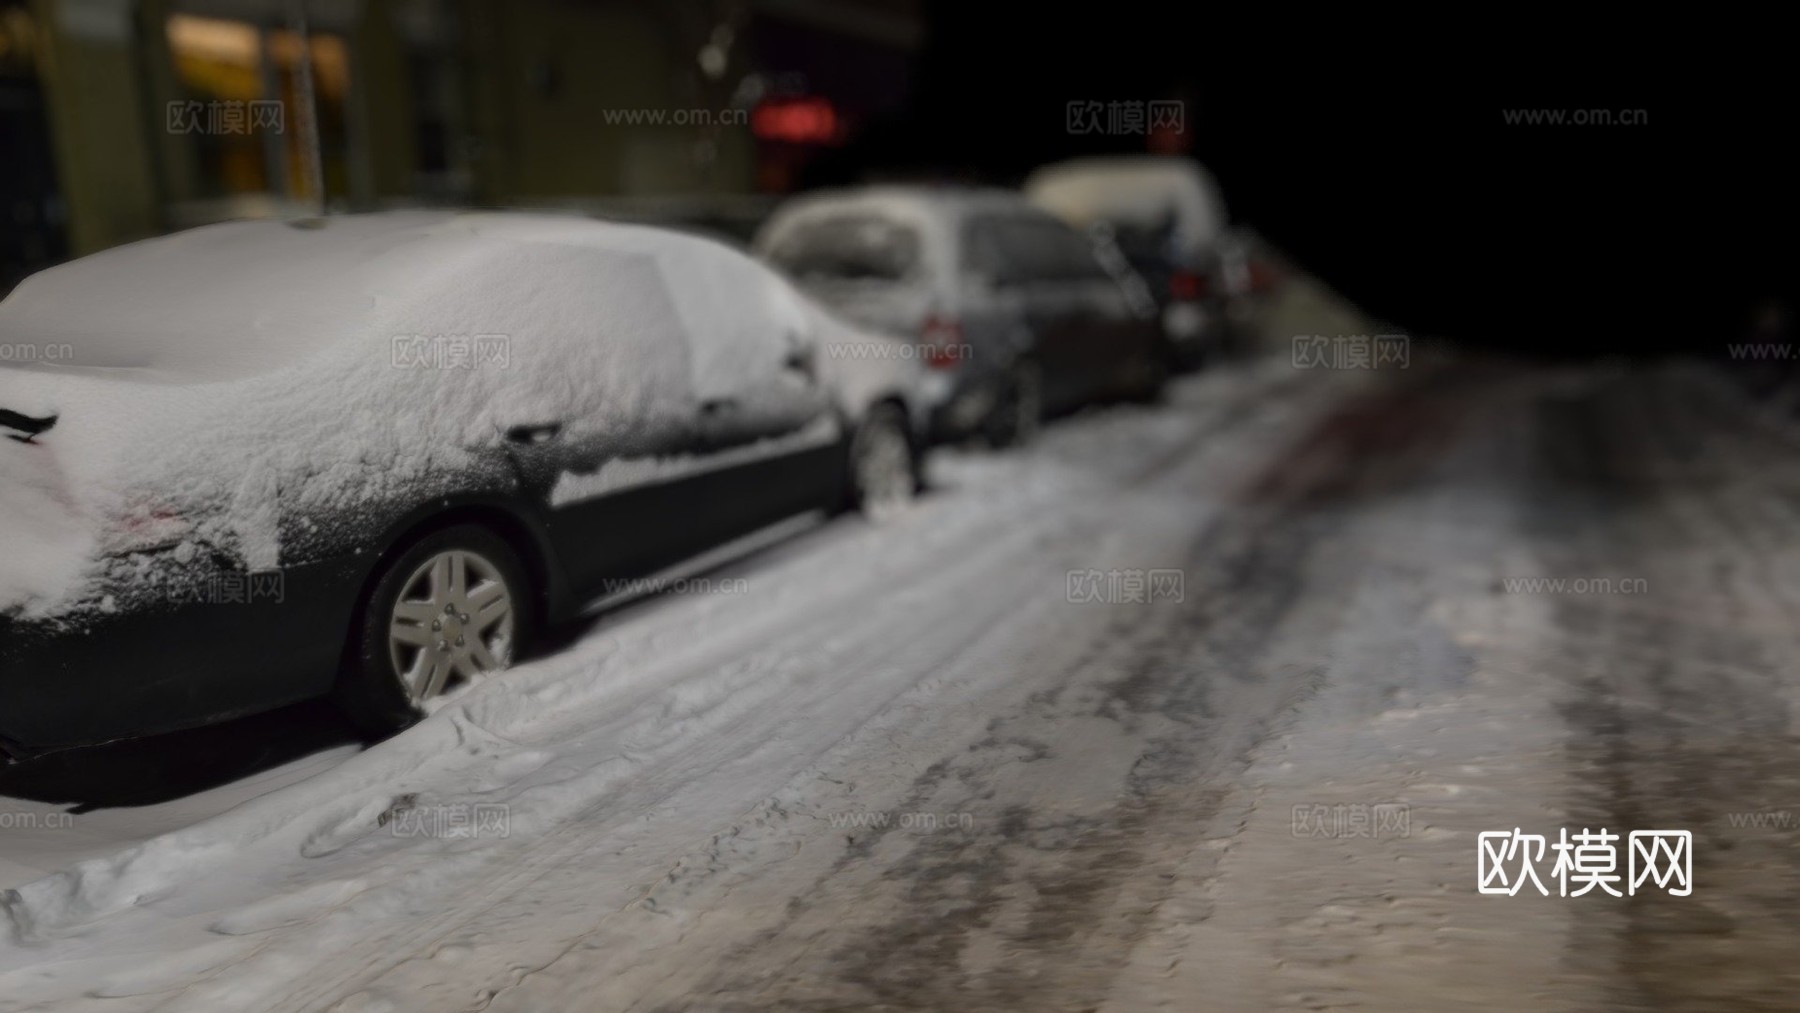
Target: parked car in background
point(370, 455)
point(1166, 216)
point(1014, 314)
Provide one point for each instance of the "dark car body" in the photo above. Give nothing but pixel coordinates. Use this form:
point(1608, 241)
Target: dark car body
point(1166, 216)
point(224, 521)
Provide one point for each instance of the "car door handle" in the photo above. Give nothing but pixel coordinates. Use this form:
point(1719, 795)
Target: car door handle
point(800, 360)
point(530, 435)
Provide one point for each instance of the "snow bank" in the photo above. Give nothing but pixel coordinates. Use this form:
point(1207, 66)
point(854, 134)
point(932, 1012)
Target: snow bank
point(715, 697)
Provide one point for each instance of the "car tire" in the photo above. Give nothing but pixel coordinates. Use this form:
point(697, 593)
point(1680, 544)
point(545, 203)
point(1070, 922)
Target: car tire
point(399, 656)
point(884, 463)
point(1150, 378)
point(1016, 420)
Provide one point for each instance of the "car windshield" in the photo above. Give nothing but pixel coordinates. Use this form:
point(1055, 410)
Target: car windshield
point(862, 247)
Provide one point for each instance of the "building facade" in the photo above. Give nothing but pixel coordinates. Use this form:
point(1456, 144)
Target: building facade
point(122, 119)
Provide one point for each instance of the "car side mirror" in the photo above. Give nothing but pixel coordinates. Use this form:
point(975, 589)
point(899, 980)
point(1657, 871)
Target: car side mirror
point(800, 358)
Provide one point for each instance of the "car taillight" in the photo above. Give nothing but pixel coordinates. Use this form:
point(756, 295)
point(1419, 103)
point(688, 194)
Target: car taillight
point(1263, 276)
point(148, 527)
point(1186, 286)
point(942, 338)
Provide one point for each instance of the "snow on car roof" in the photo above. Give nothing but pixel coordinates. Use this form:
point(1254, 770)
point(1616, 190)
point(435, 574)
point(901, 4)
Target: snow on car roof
point(905, 200)
point(937, 211)
point(245, 297)
point(1140, 190)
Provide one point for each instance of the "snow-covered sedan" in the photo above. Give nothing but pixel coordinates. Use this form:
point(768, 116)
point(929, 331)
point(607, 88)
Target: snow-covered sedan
point(368, 456)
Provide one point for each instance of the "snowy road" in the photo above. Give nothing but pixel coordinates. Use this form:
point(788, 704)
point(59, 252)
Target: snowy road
point(899, 767)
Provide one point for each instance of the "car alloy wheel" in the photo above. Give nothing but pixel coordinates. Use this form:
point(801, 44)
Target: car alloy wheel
point(1149, 377)
point(452, 605)
point(453, 619)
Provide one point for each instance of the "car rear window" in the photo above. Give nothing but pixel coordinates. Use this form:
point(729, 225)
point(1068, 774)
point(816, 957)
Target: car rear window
point(1031, 248)
point(859, 247)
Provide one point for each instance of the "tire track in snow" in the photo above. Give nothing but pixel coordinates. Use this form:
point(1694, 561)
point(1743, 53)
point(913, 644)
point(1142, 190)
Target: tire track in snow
point(1680, 720)
point(1048, 884)
point(536, 866)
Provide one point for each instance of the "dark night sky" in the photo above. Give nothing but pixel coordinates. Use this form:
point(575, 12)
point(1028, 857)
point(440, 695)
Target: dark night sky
point(1382, 161)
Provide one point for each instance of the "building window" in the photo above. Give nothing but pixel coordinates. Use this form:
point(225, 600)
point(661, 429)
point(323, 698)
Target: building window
point(227, 70)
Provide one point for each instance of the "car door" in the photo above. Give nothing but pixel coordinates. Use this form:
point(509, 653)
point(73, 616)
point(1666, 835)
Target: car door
point(1109, 337)
point(595, 406)
point(768, 440)
point(1053, 312)
point(990, 303)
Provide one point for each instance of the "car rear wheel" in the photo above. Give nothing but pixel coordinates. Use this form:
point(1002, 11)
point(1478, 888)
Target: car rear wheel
point(1149, 375)
point(451, 609)
point(884, 469)
point(1020, 413)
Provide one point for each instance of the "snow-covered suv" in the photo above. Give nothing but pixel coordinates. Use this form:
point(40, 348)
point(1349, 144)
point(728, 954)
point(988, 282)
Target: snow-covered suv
point(1012, 310)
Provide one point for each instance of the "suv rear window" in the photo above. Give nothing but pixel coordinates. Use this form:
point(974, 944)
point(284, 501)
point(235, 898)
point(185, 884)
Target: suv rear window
point(862, 247)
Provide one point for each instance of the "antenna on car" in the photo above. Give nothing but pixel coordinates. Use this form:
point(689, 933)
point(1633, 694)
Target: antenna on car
point(306, 113)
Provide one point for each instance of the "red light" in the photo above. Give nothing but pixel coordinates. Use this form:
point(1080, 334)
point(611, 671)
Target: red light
point(943, 342)
point(1186, 286)
point(810, 120)
point(1263, 276)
